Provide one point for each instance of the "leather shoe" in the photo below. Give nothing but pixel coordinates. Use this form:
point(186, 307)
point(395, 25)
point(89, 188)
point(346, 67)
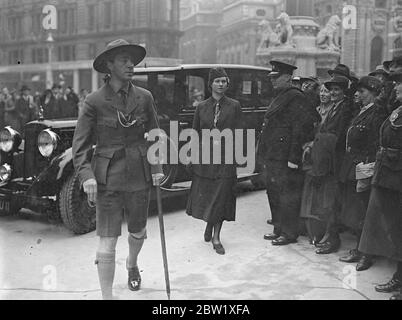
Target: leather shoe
point(271, 236)
point(353, 256)
point(134, 279)
point(329, 247)
point(391, 286)
point(283, 241)
point(219, 248)
point(365, 263)
point(397, 296)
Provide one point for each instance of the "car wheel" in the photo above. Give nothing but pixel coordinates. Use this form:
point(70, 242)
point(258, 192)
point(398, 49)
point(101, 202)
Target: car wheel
point(170, 173)
point(75, 211)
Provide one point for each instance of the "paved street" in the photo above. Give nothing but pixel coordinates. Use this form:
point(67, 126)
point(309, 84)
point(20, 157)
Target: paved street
point(44, 261)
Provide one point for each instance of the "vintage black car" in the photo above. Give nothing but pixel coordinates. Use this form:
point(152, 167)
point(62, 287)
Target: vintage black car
point(37, 172)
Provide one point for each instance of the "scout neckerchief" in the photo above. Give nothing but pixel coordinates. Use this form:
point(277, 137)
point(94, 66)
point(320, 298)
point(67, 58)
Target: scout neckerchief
point(125, 120)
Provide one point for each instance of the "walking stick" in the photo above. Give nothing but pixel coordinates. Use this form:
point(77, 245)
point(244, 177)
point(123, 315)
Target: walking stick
point(162, 232)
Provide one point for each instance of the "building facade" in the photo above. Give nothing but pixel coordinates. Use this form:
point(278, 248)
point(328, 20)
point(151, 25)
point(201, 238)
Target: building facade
point(238, 36)
point(378, 34)
point(199, 22)
point(84, 27)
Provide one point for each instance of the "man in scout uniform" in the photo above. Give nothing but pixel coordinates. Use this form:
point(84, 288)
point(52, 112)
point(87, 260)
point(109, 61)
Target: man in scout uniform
point(288, 125)
point(119, 177)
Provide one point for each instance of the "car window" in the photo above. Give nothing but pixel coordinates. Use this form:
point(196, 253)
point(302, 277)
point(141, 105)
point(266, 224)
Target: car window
point(250, 87)
point(196, 92)
point(161, 85)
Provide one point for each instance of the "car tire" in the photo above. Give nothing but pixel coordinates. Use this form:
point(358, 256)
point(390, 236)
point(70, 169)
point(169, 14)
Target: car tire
point(75, 211)
point(170, 174)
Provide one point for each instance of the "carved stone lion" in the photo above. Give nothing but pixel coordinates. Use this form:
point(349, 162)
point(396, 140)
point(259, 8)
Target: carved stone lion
point(269, 38)
point(327, 37)
point(285, 29)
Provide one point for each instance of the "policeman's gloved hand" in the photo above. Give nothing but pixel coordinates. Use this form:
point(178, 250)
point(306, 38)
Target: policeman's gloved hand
point(91, 189)
point(157, 178)
point(292, 165)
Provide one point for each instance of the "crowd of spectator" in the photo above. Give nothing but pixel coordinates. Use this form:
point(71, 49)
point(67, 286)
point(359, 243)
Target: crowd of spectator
point(19, 107)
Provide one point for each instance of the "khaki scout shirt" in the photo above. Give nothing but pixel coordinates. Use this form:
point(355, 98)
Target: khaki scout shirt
point(119, 161)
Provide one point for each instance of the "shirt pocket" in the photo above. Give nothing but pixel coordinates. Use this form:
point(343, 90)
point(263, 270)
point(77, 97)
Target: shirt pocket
point(101, 164)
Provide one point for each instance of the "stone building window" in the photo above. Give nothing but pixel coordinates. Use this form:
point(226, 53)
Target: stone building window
point(382, 4)
point(108, 15)
point(91, 17)
point(398, 46)
point(377, 45)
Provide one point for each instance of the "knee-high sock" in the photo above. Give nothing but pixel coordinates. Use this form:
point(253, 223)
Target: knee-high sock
point(134, 246)
point(105, 262)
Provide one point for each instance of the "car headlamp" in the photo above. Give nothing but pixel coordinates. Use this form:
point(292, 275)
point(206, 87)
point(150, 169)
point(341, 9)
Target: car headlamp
point(5, 173)
point(10, 139)
point(47, 142)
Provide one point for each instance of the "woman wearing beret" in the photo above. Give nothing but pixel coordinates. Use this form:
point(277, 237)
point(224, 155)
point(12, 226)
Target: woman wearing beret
point(382, 231)
point(212, 196)
point(326, 156)
point(362, 140)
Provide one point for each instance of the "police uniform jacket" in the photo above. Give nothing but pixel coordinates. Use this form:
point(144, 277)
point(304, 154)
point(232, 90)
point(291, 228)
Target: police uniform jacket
point(362, 140)
point(288, 125)
point(388, 169)
point(231, 118)
point(119, 161)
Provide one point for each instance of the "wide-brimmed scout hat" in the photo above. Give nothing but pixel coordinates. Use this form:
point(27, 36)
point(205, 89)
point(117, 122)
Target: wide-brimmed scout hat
point(137, 53)
point(371, 83)
point(340, 69)
point(279, 68)
point(338, 80)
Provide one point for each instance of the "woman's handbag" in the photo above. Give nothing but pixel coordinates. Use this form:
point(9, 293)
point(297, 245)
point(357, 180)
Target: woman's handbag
point(364, 170)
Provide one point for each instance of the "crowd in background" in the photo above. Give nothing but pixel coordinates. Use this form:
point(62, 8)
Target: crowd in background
point(19, 107)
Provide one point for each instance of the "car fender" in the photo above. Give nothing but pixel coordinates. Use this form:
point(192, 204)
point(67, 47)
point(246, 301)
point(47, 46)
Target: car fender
point(50, 181)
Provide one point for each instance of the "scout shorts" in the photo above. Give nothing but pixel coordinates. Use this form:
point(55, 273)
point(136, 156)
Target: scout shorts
point(111, 206)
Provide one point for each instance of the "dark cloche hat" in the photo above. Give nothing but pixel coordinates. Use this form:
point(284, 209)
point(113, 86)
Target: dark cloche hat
point(396, 76)
point(371, 83)
point(215, 73)
point(279, 67)
point(338, 80)
point(379, 70)
point(312, 78)
point(340, 69)
point(137, 52)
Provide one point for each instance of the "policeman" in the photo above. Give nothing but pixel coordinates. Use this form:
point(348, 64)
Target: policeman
point(119, 178)
point(287, 126)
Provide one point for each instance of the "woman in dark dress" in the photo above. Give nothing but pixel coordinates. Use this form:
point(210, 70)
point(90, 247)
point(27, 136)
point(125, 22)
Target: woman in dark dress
point(326, 156)
point(362, 140)
point(212, 196)
point(382, 231)
point(311, 204)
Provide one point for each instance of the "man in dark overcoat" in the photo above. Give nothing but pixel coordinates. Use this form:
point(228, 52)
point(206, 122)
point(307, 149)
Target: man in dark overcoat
point(119, 177)
point(288, 125)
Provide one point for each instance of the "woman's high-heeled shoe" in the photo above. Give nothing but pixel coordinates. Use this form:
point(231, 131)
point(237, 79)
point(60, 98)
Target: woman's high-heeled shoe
point(219, 248)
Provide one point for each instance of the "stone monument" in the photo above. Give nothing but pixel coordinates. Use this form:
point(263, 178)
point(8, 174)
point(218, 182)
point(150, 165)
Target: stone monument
point(298, 40)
